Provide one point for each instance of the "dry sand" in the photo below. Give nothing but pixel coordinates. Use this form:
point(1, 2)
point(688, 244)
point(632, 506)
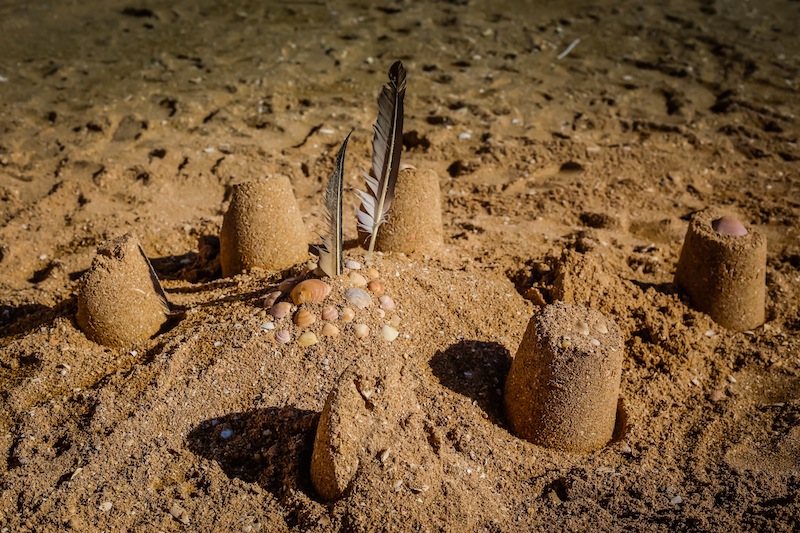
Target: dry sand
point(568, 179)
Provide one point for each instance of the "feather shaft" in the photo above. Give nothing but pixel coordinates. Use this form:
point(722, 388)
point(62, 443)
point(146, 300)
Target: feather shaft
point(330, 253)
point(387, 144)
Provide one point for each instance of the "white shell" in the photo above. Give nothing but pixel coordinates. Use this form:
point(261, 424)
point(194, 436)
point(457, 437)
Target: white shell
point(361, 330)
point(386, 303)
point(357, 280)
point(358, 297)
point(389, 333)
point(352, 265)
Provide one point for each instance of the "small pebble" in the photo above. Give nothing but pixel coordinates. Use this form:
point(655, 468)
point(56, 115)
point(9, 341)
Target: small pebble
point(602, 328)
point(716, 395)
point(348, 314)
point(352, 265)
point(710, 333)
point(357, 280)
point(372, 273)
point(583, 328)
point(389, 333)
point(225, 434)
point(106, 506)
point(595, 342)
point(361, 331)
point(307, 339)
point(266, 326)
point(385, 454)
point(283, 336)
point(179, 513)
point(676, 500)
point(394, 321)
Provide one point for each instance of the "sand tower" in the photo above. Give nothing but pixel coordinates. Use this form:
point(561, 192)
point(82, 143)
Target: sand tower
point(262, 228)
point(414, 222)
point(722, 268)
point(563, 386)
point(120, 300)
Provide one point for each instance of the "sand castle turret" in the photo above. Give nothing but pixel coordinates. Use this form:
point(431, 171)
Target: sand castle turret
point(414, 222)
point(722, 268)
point(262, 228)
point(120, 301)
point(563, 386)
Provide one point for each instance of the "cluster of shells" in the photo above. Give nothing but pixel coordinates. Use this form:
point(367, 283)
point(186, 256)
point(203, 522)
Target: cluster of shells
point(299, 305)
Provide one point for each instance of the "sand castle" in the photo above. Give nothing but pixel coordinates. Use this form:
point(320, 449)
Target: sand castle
point(722, 268)
point(415, 223)
point(262, 228)
point(120, 300)
point(563, 386)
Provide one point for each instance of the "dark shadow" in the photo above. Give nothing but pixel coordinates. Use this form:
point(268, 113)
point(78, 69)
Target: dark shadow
point(270, 447)
point(663, 288)
point(621, 424)
point(29, 317)
point(476, 370)
point(194, 267)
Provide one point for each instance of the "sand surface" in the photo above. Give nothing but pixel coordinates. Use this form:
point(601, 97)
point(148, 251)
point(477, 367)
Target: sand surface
point(569, 179)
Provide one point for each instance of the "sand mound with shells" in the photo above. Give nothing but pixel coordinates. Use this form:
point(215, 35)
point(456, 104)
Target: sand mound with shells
point(572, 144)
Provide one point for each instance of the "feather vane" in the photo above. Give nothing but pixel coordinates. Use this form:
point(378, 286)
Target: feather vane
point(330, 252)
point(387, 144)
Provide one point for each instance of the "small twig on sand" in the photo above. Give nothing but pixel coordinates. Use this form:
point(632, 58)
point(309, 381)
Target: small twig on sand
point(568, 49)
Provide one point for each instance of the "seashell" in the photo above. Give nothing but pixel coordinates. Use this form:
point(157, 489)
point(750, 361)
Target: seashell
point(280, 309)
point(729, 225)
point(358, 297)
point(372, 273)
point(307, 339)
point(329, 330)
point(381, 313)
point(310, 290)
point(271, 298)
point(394, 321)
point(330, 313)
point(266, 326)
point(304, 318)
point(357, 280)
point(288, 284)
point(348, 314)
point(389, 333)
point(361, 330)
point(376, 287)
point(352, 265)
point(386, 303)
point(283, 336)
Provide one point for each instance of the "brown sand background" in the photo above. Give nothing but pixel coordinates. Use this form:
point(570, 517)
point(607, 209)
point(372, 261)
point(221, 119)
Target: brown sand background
point(561, 179)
